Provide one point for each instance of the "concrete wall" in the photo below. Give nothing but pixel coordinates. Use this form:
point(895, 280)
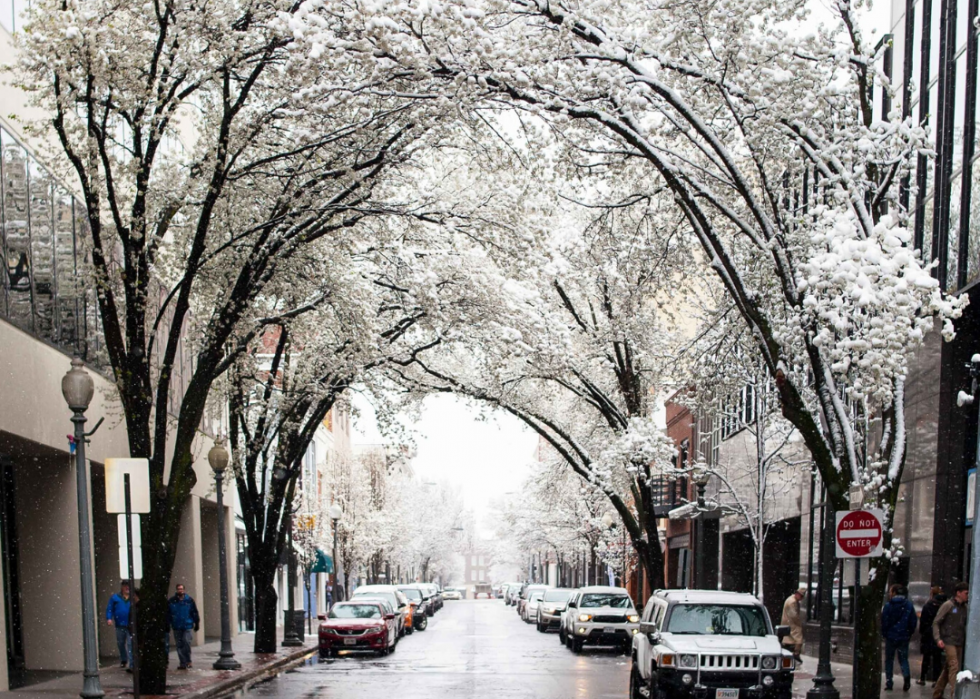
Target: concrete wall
point(47, 526)
point(187, 563)
point(209, 600)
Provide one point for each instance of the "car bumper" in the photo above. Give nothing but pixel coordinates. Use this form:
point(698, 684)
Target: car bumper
point(551, 620)
point(606, 635)
point(705, 685)
point(376, 641)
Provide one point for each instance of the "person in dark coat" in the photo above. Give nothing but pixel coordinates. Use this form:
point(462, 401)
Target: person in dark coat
point(898, 622)
point(932, 657)
point(182, 616)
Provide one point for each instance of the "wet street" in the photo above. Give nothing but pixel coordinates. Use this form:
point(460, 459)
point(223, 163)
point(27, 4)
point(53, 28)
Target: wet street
point(471, 650)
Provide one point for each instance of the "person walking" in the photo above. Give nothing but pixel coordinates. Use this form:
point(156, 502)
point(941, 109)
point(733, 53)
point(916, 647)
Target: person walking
point(898, 622)
point(182, 617)
point(117, 616)
point(794, 620)
point(949, 631)
point(932, 657)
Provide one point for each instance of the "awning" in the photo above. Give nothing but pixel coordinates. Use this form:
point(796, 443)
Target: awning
point(322, 564)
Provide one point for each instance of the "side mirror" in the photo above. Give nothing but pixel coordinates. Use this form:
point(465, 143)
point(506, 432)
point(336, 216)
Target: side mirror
point(389, 617)
point(782, 632)
point(572, 605)
point(321, 617)
point(648, 627)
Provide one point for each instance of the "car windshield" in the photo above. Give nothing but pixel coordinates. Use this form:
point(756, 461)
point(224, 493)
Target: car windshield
point(355, 611)
point(557, 595)
point(390, 596)
point(717, 619)
point(606, 599)
point(411, 593)
point(536, 596)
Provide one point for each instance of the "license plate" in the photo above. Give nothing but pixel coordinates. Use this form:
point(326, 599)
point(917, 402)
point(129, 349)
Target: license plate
point(726, 694)
point(353, 642)
point(609, 629)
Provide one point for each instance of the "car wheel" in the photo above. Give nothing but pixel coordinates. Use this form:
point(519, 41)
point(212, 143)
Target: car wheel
point(541, 627)
point(635, 683)
point(576, 645)
point(561, 635)
point(423, 623)
point(409, 630)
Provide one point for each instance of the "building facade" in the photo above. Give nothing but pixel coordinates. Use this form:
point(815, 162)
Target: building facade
point(48, 315)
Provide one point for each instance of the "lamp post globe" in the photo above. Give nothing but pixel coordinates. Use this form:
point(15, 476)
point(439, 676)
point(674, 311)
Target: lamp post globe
point(78, 388)
point(218, 459)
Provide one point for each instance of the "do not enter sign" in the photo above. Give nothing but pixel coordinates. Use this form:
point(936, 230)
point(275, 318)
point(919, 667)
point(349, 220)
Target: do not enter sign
point(859, 534)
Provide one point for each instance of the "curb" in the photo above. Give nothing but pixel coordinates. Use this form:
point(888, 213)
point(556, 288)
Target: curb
point(251, 677)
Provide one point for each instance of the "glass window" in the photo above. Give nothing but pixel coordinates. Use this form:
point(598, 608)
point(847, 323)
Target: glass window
point(355, 611)
point(66, 281)
point(16, 233)
point(42, 248)
point(716, 619)
point(611, 599)
point(557, 595)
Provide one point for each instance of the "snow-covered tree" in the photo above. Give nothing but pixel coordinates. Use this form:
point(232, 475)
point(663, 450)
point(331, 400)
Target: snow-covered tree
point(763, 135)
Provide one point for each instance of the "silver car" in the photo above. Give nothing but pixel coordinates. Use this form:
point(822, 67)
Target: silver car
point(551, 608)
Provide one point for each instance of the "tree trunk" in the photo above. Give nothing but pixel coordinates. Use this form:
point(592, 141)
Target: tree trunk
point(265, 613)
point(868, 638)
point(152, 634)
point(651, 557)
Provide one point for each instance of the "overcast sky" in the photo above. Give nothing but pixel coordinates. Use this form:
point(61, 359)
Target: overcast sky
point(485, 458)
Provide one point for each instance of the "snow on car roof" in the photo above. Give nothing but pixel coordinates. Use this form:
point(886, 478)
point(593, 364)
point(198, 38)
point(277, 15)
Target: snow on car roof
point(708, 596)
point(604, 589)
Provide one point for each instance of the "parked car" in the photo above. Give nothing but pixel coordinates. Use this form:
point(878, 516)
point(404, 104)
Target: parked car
point(392, 596)
point(482, 590)
point(531, 606)
point(430, 598)
point(418, 603)
point(695, 643)
point(452, 593)
point(600, 616)
point(359, 625)
point(525, 593)
point(552, 607)
point(511, 590)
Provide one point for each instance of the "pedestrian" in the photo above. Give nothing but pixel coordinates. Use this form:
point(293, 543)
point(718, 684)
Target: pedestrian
point(793, 618)
point(932, 657)
point(117, 616)
point(949, 631)
point(898, 622)
point(182, 617)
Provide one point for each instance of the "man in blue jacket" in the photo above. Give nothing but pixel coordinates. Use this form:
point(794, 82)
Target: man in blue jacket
point(182, 617)
point(898, 622)
point(117, 616)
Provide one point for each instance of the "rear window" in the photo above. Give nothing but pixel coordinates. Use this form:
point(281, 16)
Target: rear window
point(717, 619)
point(390, 596)
point(606, 599)
point(536, 595)
point(411, 593)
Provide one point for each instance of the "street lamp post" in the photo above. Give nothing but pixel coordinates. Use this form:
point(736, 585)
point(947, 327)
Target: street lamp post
point(700, 476)
point(336, 512)
point(218, 458)
point(78, 388)
point(291, 637)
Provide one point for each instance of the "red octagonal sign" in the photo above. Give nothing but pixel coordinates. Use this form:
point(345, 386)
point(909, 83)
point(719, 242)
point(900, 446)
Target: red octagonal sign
point(859, 534)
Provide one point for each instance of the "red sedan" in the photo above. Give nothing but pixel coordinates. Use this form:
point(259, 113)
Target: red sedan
point(368, 625)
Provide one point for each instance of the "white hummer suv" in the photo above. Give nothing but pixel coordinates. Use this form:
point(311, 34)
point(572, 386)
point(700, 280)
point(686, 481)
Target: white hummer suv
point(602, 616)
point(709, 645)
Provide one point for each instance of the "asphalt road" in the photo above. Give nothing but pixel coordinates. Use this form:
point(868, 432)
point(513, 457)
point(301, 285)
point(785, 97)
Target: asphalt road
point(471, 650)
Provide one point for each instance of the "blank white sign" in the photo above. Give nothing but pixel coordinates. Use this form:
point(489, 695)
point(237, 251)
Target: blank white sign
point(139, 485)
point(137, 548)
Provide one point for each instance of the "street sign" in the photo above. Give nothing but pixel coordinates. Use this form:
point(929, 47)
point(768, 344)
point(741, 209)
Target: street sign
point(137, 548)
point(859, 534)
point(139, 484)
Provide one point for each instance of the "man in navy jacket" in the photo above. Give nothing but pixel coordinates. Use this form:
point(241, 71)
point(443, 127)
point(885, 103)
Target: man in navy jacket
point(898, 622)
point(183, 617)
point(117, 616)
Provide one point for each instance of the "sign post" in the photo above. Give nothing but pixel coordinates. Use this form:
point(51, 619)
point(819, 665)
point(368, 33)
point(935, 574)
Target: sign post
point(127, 490)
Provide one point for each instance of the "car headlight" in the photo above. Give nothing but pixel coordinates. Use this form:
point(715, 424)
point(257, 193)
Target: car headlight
point(689, 661)
point(633, 618)
point(548, 610)
point(769, 663)
point(768, 681)
point(585, 617)
point(687, 679)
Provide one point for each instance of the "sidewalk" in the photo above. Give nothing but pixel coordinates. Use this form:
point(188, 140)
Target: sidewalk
point(843, 678)
point(199, 682)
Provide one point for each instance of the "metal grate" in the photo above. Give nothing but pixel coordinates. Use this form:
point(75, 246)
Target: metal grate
point(729, 662)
